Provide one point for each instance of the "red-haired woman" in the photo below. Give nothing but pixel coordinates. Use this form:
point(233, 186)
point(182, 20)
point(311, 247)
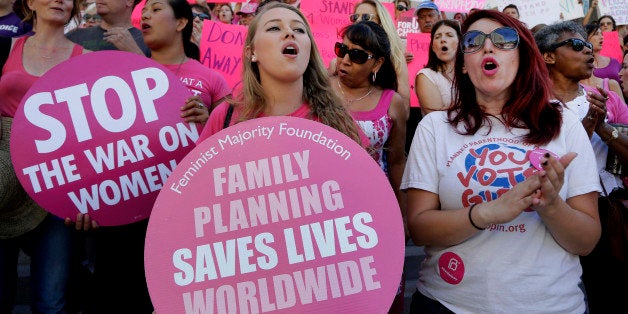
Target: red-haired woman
point(499, 185)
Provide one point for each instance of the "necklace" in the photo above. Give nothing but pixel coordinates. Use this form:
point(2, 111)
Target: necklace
point(349, 102)
point(179, 67)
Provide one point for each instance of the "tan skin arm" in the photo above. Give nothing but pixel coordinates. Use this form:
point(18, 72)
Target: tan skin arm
point(592, 7)
point(574, 223)
point(428, 95)
point(594, 122)
point(395, 151)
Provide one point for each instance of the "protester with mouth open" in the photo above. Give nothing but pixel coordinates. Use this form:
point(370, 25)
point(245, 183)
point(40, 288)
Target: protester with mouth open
point(283, 75)
point(439, 72)
point(499, 185)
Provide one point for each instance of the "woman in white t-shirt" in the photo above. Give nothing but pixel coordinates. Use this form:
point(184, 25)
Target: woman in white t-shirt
point(439, 71)
point(499, 185)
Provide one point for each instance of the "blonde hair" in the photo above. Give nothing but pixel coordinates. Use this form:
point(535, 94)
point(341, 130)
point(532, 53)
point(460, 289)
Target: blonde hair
point(317, 91)
point(385, 20)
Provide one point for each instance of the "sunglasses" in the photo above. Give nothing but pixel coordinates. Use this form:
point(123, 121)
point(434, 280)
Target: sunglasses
point(201, 16)
point(401, 7)
point(355, 55)
point(576, 44)
point(503, 38)
point(361, 17)
point(88, 16)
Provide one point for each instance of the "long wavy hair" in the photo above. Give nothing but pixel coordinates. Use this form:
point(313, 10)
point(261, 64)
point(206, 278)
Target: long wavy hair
point(529, 104)
point(385, 20)
point(372, 37)
point(325, 105)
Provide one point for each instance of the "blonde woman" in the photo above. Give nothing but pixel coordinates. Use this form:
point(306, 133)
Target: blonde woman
point(283, 75)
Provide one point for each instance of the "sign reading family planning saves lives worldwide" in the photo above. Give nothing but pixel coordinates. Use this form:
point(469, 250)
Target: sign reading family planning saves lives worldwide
point(101, 141)
point(275, 214)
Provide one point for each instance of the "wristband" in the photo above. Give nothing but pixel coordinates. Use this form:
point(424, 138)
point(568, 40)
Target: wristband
point(471, 220)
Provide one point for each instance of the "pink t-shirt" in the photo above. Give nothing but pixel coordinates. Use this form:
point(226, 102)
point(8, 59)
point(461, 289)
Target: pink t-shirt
point(201, 80)
point(217, 118)
point(15, 81)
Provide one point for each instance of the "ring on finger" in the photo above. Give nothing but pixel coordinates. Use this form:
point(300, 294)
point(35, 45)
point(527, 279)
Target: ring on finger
point(199, 105)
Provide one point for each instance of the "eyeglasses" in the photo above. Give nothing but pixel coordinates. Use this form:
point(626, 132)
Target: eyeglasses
point(606, 24)
point(401, 7)
point(88, 16)
point(355, 55)
point(201, 16)
point(576, 44)
point(503, 38)
point(361, 17)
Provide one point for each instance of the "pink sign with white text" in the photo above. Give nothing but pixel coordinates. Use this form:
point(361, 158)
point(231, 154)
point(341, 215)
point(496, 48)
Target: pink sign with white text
point(101, 142)
point(277, 214)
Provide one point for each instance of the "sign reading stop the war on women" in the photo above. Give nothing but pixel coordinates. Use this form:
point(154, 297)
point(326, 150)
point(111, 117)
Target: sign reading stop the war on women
point(275, 214)
point(101, 142)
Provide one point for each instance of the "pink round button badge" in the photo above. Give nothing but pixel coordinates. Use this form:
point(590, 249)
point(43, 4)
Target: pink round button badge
point(277, 214)
point(98, 139)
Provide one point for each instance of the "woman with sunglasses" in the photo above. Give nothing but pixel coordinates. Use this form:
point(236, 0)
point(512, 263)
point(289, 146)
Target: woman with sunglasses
point(438, 74)
point(568, 62)
point(373, 10)
point(400, 7)
point(499, 185)
point(280, 59)
point(367, 83)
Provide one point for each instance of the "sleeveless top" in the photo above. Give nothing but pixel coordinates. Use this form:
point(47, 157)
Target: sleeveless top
point(377, 124)
point(15, 81)
point(610, 71)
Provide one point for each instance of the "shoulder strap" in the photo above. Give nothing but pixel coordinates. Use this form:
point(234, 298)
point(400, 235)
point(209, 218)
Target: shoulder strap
point(228, 117)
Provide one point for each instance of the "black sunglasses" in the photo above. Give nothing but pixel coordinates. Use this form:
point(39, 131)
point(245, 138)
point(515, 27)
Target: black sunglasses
point(401, 7)
point(576, 44)
point(202, 16)
point(361, 17)
point(503, 38)
point(355, 55)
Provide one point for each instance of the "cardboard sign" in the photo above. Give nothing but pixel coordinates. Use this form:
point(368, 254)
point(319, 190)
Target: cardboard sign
point(275, 214)
point(407, 23)
point(103, 141)
point(325, 38)
point(221, 49)
point(419, 45)
point(459, 5)
point(329, 12)
point(618, 9)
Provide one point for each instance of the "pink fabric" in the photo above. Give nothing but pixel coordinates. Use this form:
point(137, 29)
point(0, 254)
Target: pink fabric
point(617, 111)
point(376, 124)
point(201, 80)
point(15, 81)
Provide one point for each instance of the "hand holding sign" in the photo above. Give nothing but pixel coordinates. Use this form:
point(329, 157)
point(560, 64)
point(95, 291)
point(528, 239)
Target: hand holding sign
point(101, 142)
point(279, 220)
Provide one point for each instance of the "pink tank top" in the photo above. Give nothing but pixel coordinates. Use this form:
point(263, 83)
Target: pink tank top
point(15, 81)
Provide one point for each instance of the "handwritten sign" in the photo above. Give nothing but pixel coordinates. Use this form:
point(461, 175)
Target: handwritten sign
point(570, 9)
point(103, 141)
point(274, 214)
point(221, 49)
point(328, 12)
point(419, 45)
point(618, 9)
point(325, 38)
point(459, 5)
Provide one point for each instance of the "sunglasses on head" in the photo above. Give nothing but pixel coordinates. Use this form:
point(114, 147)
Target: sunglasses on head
point(361, 17)
point(576, 44)
point(355, 55)
point(201, 16)
point(401, 7)
point(503, 38)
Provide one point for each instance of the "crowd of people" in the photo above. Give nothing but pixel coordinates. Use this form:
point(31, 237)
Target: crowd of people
point(512, 236)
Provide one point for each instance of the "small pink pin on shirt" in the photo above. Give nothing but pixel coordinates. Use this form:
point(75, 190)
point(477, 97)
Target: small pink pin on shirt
point(536, 155)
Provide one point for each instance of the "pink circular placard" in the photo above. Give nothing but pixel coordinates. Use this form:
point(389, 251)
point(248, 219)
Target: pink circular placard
point(275, 214)
point(100, 139)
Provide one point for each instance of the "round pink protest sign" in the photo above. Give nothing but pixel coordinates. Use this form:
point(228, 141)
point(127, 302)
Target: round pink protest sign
point(275, 214)
point(99, 139)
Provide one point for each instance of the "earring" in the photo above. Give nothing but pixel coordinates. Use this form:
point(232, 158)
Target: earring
point(253, 58)
point(374, 76)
